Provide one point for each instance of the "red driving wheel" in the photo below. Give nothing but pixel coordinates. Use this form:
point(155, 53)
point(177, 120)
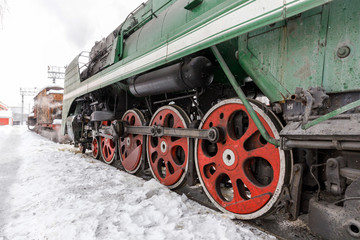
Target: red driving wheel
point(169, 156)
point(107, 147)
point(131, 147)
point(243, 174)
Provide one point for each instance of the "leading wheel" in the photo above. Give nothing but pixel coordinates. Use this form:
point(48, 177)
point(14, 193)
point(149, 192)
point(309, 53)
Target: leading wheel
point(169, 156)
point(131, 147)
point(107, 147)
point(243, 174)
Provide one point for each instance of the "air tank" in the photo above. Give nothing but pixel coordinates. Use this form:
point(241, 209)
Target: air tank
point(197, 72)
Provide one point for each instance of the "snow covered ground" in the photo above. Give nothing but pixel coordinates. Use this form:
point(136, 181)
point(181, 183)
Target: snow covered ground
point(48, 191)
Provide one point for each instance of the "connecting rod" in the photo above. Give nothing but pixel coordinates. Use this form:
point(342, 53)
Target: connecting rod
point(122, 129)
point(213, 134)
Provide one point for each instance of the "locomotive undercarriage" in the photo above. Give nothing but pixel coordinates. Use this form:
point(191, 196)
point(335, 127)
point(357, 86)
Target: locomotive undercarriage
point(205, 135)
point(317, 170)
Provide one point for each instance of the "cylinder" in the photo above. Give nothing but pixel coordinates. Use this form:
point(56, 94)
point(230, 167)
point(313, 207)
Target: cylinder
point(197, 72)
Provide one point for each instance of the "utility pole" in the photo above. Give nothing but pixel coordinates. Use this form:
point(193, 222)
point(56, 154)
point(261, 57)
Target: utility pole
point(55, 72)
point(26, 92)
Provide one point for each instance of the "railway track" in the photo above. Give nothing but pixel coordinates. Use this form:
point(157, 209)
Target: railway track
point(275, 224)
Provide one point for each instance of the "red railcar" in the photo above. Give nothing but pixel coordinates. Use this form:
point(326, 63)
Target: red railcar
point(46, 116)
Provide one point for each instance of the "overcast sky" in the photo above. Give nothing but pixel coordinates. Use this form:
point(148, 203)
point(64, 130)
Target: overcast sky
point(39, 33)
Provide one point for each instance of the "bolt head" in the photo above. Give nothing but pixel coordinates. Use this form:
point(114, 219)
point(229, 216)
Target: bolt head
point(343, 52)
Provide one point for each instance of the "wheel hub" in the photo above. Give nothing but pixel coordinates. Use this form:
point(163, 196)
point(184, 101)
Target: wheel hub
point(228, 157)
point(163, 146)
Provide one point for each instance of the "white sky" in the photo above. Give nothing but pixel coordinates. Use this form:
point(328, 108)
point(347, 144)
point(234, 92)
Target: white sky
point(39, 33)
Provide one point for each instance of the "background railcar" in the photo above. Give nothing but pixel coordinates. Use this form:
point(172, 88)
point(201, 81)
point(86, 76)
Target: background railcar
point(46, 116)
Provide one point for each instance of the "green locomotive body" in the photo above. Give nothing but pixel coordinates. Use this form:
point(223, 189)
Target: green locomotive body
point(257, 100)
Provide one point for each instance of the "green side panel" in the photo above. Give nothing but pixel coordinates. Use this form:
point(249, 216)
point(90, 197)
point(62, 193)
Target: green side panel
point(131, 45)
point(146, 12)
point(151, 32)
point(290, 51)
point(174, 20)
point(343, 74)
point(302, 51)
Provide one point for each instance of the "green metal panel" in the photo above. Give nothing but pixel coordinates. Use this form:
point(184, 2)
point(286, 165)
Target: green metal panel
point(131, 45)
point(151, 10)
point(262, 77)
point(174, 20)
point(343, 74)
point(302, 51)
point(290, 52)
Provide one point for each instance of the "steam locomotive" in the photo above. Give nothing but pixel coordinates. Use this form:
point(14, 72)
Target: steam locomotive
point(258, 101)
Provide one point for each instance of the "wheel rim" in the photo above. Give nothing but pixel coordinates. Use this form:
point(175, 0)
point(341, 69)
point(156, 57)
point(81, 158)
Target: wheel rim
point(95, 148)
point(242, 175)
point(168, 156)
point(108, 147)
point(131, 147)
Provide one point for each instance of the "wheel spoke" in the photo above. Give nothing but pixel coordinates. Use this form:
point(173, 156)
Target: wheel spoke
point(182, 142)
point(255, 190)
point(249, 132)
point(268, 153)
point(240, 191)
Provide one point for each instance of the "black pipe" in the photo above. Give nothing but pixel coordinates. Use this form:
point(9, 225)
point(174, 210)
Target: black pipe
point(175, 78)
